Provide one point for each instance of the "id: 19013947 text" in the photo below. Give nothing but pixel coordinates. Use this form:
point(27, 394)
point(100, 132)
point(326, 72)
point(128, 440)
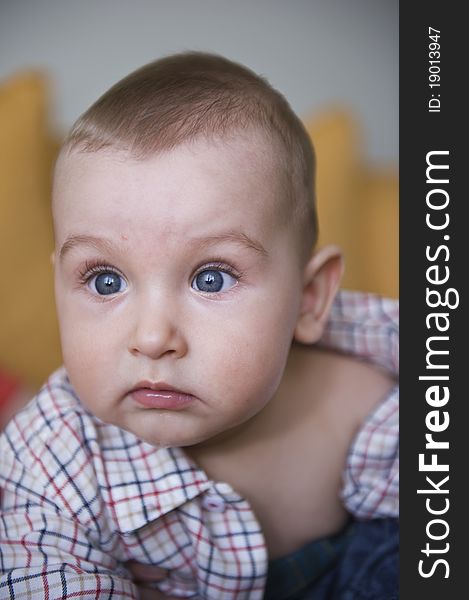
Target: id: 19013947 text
point(434, 54)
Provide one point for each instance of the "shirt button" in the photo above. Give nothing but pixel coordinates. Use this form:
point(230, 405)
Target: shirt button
point(213, 504)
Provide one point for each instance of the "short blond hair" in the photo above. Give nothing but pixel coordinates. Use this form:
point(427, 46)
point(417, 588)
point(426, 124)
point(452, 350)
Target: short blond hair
point(180, 97)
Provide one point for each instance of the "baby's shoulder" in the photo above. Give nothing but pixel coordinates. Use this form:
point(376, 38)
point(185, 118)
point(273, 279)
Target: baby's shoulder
point(355, 364)
point(338, 387)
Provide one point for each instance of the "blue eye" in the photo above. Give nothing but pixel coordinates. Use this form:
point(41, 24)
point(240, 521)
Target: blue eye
point(107, 283)
point(213, 280)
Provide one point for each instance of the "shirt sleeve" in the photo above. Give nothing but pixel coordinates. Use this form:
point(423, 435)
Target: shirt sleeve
point(54, 542)
point(371, 477)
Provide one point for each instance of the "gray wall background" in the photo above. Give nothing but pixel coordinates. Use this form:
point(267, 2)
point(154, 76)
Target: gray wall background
point(316, 52)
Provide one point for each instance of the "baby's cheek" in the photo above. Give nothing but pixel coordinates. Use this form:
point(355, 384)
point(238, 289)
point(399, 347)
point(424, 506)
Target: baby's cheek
point(253, 366)
point(80, 349)
point(88, 361)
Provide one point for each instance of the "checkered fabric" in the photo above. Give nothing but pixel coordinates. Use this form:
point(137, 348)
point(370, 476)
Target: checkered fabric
point(80, 498)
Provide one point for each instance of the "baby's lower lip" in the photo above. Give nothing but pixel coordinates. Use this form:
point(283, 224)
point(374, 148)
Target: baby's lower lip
point(161, 399)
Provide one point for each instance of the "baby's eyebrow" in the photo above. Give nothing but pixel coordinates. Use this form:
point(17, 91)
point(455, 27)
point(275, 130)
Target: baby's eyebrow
point(237, 237)
point(104, 245)
point(100, 244)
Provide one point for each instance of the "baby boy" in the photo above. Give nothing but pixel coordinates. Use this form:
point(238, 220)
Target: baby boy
point(223, 410)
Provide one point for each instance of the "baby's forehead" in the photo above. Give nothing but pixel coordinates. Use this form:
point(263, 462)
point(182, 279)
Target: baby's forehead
point(245, 163)
point(250, 155)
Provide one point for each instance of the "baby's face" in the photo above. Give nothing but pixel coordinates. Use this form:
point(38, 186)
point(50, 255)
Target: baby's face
point(178, 289)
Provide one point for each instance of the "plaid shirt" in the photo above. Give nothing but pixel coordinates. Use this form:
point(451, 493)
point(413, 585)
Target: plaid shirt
point(80, 497)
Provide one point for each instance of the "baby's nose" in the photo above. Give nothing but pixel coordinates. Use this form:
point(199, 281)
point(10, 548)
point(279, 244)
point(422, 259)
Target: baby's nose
point(158, 332)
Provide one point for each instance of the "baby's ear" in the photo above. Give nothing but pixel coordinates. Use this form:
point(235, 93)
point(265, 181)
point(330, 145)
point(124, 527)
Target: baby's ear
point(321, 281)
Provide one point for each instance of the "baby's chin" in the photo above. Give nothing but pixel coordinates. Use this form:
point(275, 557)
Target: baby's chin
point(169, 439)
point(171, 429)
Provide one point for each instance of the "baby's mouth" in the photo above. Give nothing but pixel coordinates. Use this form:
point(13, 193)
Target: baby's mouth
point(160, 396)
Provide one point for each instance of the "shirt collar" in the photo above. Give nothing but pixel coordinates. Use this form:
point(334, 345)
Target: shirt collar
point(152, 481)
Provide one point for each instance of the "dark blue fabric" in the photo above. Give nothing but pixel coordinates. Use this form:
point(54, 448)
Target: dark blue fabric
point(366, 566)
point(291, 575)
